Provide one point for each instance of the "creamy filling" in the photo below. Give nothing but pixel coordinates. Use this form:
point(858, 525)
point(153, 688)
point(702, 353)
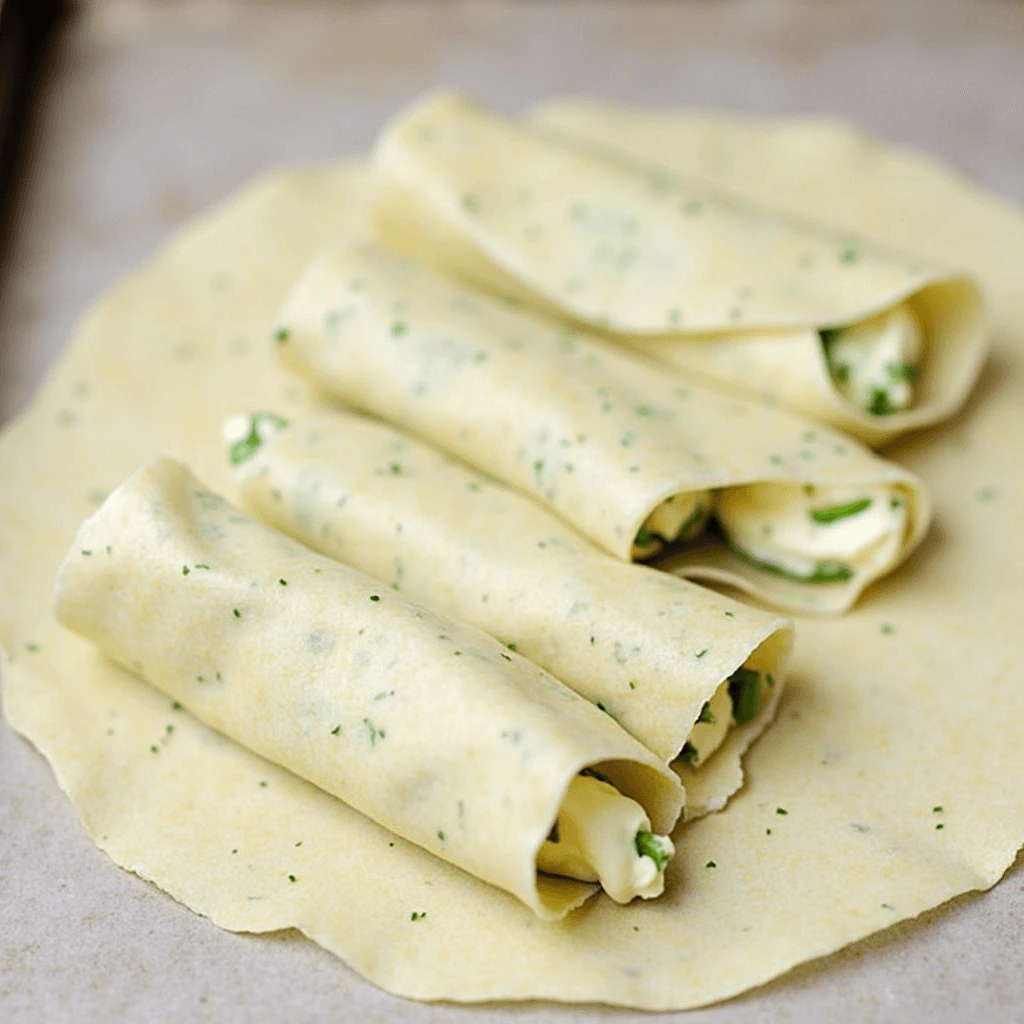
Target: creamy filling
point(678, 518)
point(814, 534)
point(874, 363)
point(737, 701)
point(602, 836)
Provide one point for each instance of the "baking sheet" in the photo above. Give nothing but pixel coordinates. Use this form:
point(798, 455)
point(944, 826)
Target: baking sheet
point(154, 112)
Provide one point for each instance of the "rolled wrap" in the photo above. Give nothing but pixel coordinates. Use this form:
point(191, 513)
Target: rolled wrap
point(648, 648)
point(427, 726)
point(601, 435)
point(557, 214)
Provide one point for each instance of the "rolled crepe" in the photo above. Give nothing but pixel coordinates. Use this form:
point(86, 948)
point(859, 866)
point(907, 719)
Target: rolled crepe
point(630, 453)
point(689, 673)
point(428, 726)
point(870, 340)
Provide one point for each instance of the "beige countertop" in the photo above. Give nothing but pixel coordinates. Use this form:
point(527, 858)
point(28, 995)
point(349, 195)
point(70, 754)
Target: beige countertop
point(151, 112)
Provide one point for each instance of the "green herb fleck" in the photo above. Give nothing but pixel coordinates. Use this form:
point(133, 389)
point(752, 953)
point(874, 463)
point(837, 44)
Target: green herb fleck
point(711, 864)
point(902, 371)
point(700, 654)
point(937, 809)
point(185, 570)
point(248, 446)
point(987, 494)
point(833, 513)
point(745, 691)
point(511, 647)
point(417, 916)
point(336, 730)
point(176, 706)
point(281, 335)
point(849, 256)
point(706, 715)
point(87, 553)
point(886, 629)
point(880, 404)
point(237, 614)
point(292, 878)
point(940, 825)
point(781, 810)
point(649, 845)
point(398, 328)
point(604, 707)
point(645, 538)
point(689, 753)
point(375, 597)
point(470, 203)
point(263, 783)
point(374, 732)
point(553, 835)
point(32, 648)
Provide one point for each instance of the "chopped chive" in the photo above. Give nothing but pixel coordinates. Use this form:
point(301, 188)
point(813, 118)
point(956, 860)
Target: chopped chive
point(880, 403)
point(745, 691)
point(649, 845)
point(902, 371)
point(833, 513)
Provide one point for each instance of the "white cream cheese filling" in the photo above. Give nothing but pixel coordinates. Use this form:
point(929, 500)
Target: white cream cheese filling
point(814, 534)
point(874, 363)
point(602, 836)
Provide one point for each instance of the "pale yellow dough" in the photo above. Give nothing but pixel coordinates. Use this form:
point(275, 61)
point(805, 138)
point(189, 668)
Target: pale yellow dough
point(581, 213)
point(600, 435)
point(426, 725)
point(877, 727)
point(648, 648)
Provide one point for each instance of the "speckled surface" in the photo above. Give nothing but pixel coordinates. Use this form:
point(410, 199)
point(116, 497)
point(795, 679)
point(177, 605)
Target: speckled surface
point(154, 110)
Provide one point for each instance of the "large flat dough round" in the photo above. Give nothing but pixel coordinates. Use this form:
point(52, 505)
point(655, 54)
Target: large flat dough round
point(900, 718)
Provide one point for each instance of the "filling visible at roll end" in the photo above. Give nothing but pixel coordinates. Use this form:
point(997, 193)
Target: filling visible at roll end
point(874, 363)
point(738, 700)
point(810, 534)
point(678, 518)
point(602, 836)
